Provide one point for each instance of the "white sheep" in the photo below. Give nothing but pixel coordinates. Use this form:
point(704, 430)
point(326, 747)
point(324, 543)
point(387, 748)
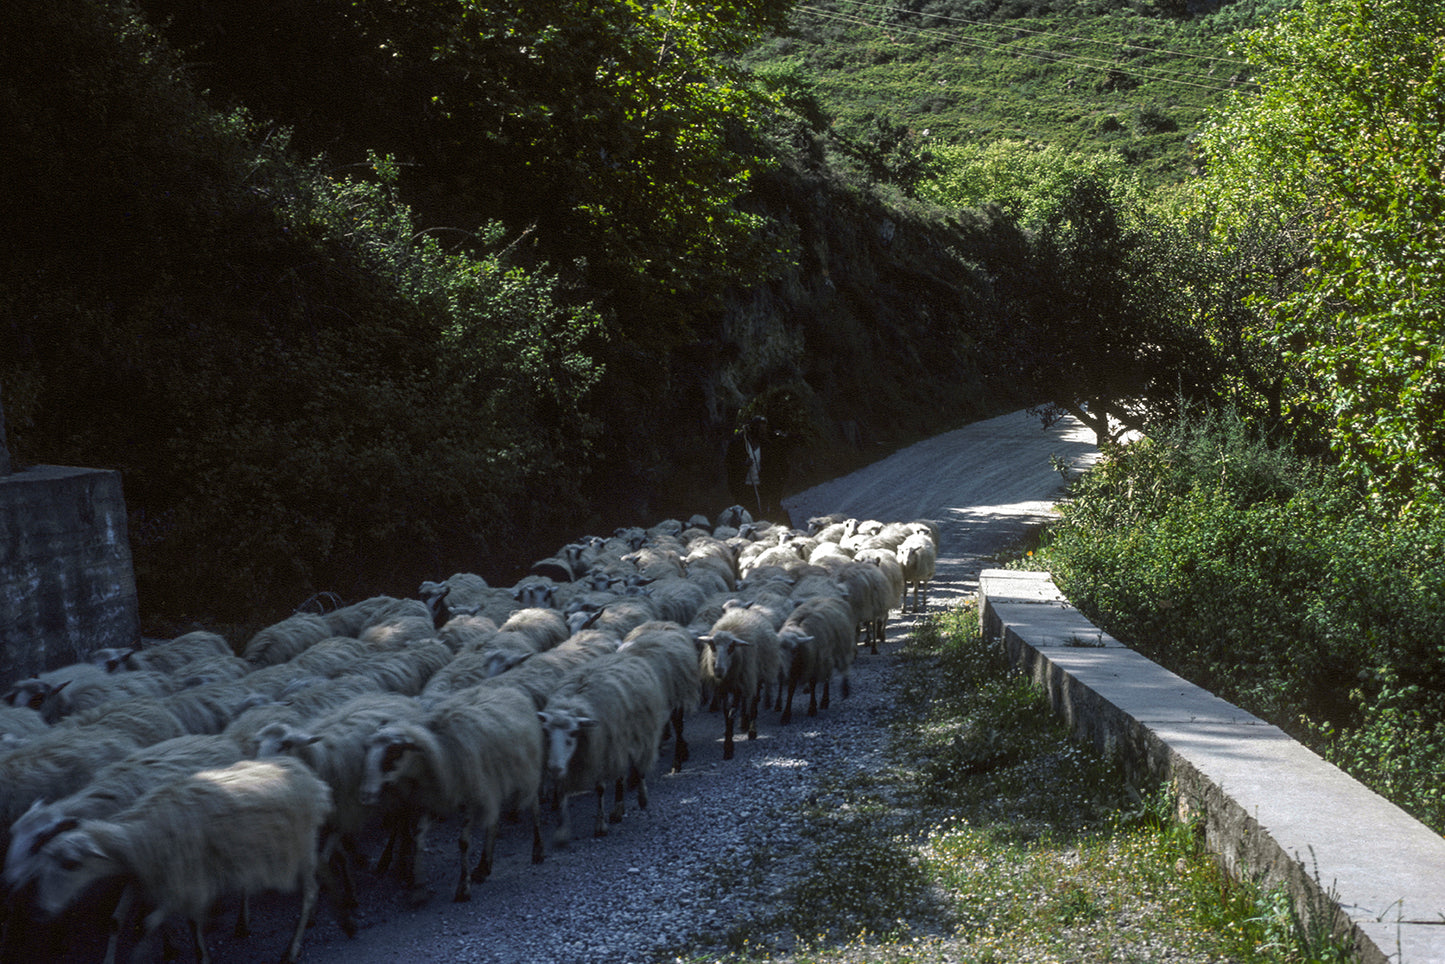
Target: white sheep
point(466, 632)
point(147, 720)
point(282, 641)
point(478, 754)
point(406, 670)
point(918, 556)
point(816, 642)
point(112, 789)
point(333, 745)
point(676, 599)
point(172, 655)
point(869, 592)
point(399, 632)
point(544, 627)
point(251, 826)
point(620, 616)
point(601, 725)
point(887, 562)
point(21, 723)
point(82, 686)
point(673, 655)
point(354, 619)
point(740, 665)
point(539, 675)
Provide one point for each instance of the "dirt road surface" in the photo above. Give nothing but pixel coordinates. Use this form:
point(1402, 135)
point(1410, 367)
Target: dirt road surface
point(630, 895)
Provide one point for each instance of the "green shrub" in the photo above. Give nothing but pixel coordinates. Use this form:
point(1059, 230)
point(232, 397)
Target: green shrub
point(1271, 582)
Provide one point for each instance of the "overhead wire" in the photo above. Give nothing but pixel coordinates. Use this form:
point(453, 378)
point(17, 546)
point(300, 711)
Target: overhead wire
point(1051, 56)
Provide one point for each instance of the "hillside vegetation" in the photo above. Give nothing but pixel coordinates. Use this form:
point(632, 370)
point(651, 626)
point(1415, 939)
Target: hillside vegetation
point(1134, 80)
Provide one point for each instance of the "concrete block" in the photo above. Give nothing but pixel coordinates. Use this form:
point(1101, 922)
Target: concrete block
point(1273, 810)
point(67, 586)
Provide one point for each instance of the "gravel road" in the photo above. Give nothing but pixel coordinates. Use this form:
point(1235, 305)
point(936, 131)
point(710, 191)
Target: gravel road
point(643, 889)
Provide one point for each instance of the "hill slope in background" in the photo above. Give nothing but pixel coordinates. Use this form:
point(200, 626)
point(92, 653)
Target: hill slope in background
point(1135, 79)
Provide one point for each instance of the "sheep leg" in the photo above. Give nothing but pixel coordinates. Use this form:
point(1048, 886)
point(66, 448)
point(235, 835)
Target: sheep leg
point(787, 716)
point(680, 752)
point(599, 828)
point(618, 803)
point(203, 955)
point(539, 853)
point(412, 868)
point(813, 704)
point(308, 906)
point(118, 917)
point(562, 836)
point(337, 865)
point(729, 711)
point(483, 869)
point(464, 847)
point(243, 917)
point(752, 717)
point(641, 788)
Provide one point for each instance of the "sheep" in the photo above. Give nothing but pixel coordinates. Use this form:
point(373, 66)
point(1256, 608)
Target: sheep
point(479, 754)
point(173, 655)
point(733, 517)
point(210, 707)
point(534, 594)
point(544, 627)
point(113, 788)
point(333, 745)
point(918, 556)
point(82, 686)
point(323, 695)
point(741, 665)
point(21, 723)
point(601, 724)
point(539, 675)
point(867, 590)
point(246, 728)
point(407, 670)
point(676, 600)
point(55, 764)
point(250, 826)
point(816, 642)
point(282, 641)
point(146, 720)
point(354, 619)
point(399, 632)
point(888, 563)
point(620, 616)
point(673, 654)
point(462, 633)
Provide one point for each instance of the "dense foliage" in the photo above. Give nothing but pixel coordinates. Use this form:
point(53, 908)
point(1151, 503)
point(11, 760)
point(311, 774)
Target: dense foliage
point(1339, 162)
point(1270, 581)
point(289, 375)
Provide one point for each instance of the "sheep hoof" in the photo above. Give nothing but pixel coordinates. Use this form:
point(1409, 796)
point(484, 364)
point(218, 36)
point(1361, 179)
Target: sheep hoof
point(728, 752)
point(462, 896)
point(418, 896)
point(348, 925)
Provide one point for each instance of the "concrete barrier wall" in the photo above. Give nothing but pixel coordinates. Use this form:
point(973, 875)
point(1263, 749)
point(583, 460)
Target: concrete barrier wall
point(1272, 809)
point(67, 586)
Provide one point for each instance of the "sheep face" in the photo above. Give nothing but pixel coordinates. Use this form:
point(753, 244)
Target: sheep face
point(728, 653)
point(35, 828)
point(561, 733)
point(278, 739)
point(30, 693)
point(66, 866)
point(391, 756)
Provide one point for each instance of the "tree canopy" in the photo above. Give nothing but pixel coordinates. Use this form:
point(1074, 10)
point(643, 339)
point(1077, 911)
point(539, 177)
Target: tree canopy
point(1340, 155)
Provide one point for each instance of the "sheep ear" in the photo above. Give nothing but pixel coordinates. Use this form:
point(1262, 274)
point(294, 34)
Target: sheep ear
point(310, 740)
point(742, 642)
point(545, 717)
point(586, 722)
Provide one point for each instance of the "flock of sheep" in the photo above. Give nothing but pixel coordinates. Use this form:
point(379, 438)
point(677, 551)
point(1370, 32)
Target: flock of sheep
point(183, 772)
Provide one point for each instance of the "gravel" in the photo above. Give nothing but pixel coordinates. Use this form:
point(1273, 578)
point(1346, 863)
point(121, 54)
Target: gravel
point(652, 884)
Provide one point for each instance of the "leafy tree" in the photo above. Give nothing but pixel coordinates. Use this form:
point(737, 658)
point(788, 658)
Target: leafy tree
point(1341, 150)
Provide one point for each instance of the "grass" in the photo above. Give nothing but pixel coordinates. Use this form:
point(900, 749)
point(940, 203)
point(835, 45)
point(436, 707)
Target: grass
point(991, 835)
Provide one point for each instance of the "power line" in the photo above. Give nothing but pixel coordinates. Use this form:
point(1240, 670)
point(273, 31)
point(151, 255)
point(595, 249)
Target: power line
point(1036, 53)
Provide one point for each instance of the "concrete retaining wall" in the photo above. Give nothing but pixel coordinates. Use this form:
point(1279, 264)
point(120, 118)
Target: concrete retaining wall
point(1272, 809)
point(67, 586)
